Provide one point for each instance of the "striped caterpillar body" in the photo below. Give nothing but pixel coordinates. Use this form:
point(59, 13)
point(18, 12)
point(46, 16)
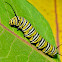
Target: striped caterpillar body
point(30, 33)
point(33, 36)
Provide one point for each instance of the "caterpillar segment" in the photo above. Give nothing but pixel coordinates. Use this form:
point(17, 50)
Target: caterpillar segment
point(24, 28)
point(47, 48)
point(40, 44)
point(29, 31)
point(54, 53)
point(51, 47)
point(31, 34)
point(35, 39)
point(22, 23)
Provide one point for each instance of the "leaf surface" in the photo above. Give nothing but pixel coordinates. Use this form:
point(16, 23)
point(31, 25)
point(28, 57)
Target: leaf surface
point(15, 47)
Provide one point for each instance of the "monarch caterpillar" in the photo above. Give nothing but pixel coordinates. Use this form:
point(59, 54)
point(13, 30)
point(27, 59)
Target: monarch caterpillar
point(30, 33)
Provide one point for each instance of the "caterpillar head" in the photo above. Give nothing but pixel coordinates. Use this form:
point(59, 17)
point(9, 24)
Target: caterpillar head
point(12, 21)
point(15, 21)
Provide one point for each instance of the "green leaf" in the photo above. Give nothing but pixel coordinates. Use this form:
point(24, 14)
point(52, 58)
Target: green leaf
point(28, 11)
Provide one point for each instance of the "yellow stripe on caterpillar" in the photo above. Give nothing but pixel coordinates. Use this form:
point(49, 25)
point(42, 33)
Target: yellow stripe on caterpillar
point(27, 31)
point(50, 50)
point(36, 40)
point(25, 26)
point(41, 47)
point(30, 35)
